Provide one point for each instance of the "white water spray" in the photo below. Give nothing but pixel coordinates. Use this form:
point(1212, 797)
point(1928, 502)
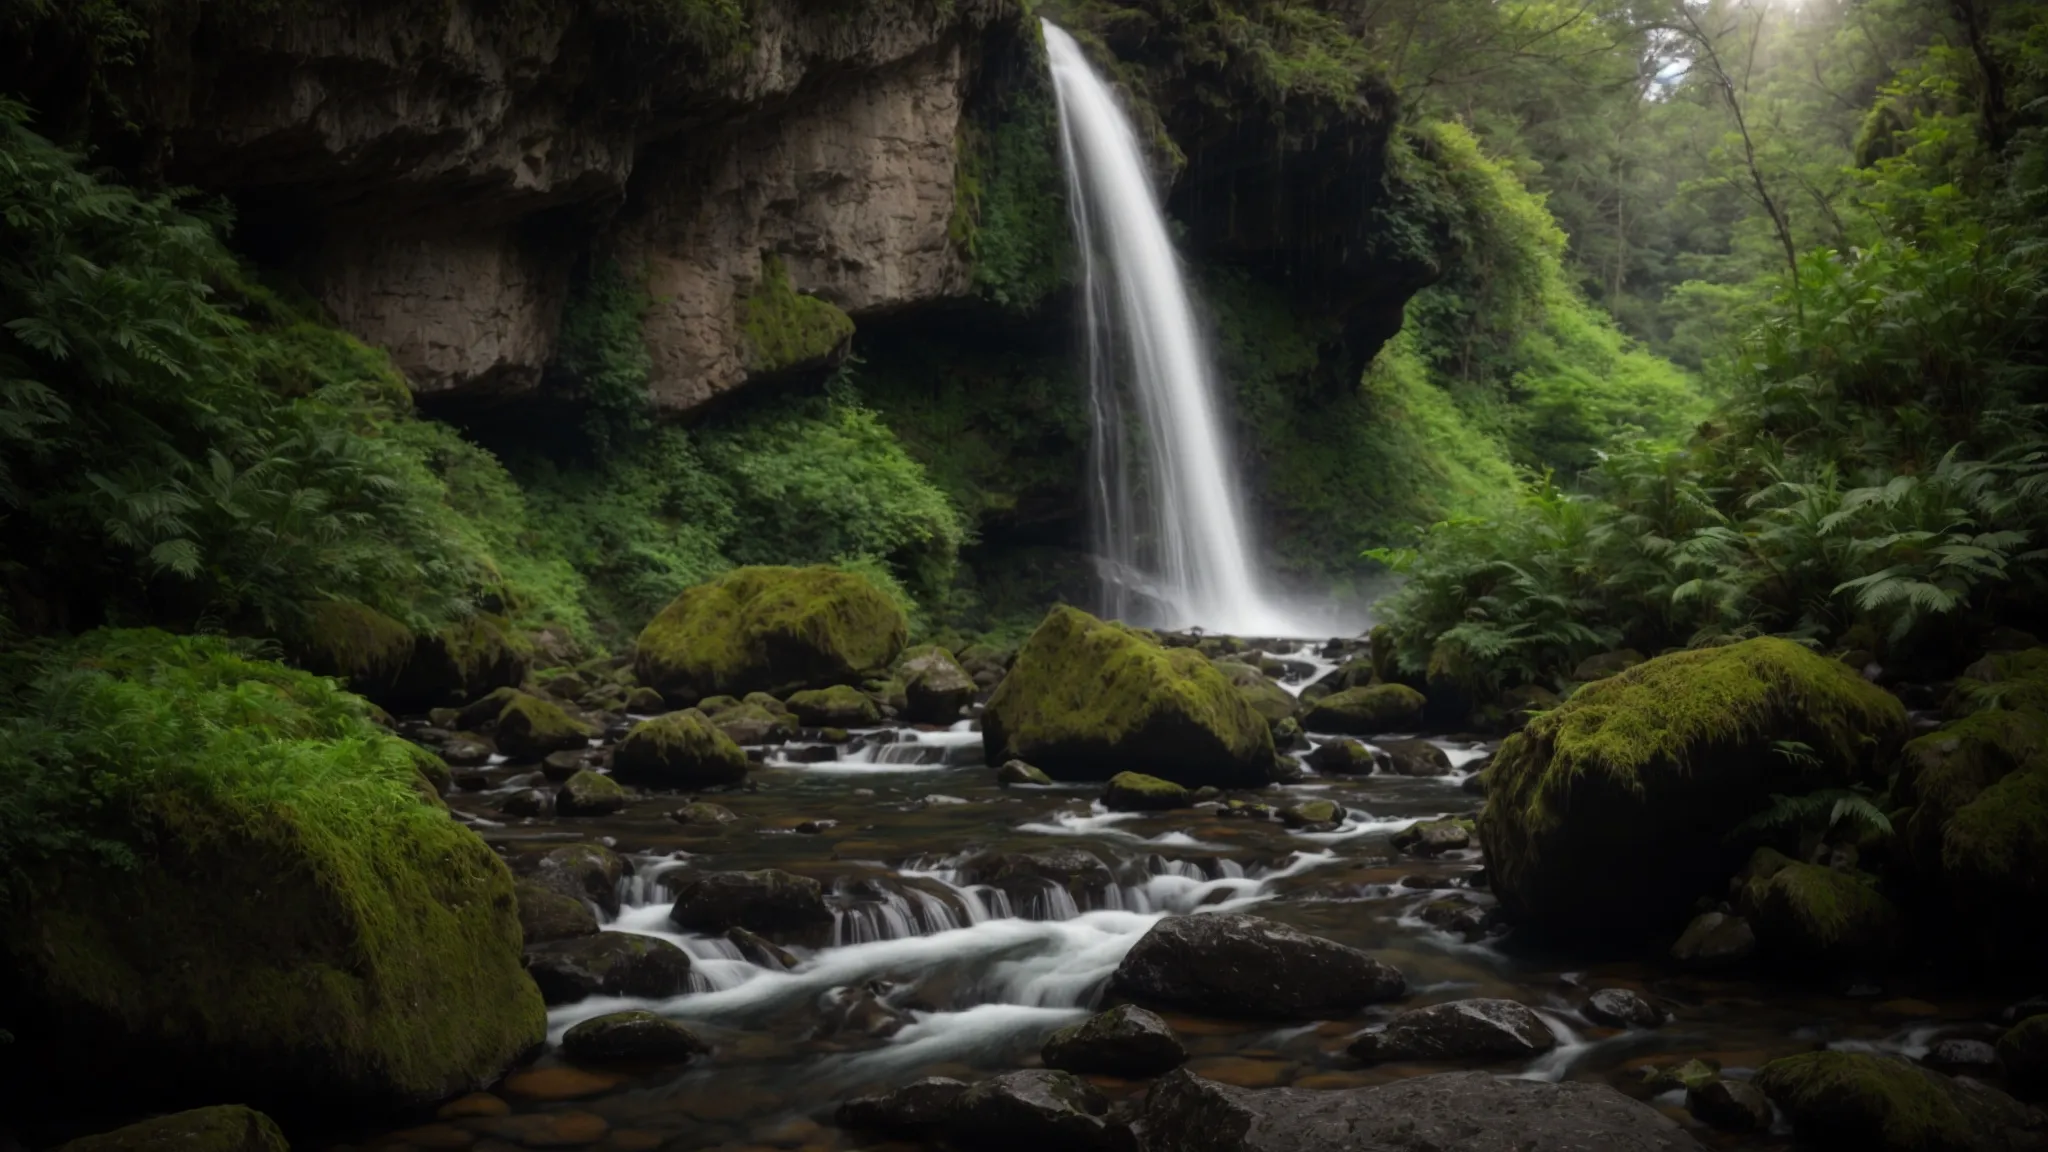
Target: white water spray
point(1169, 531)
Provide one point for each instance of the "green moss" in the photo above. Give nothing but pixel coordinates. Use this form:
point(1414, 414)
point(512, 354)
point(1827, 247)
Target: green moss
point(2008, 681)
point(223, 1128)
point(1137, 792)
point(1946, 769)
point(839, 706)
point(679, 750)
point(782, 330)
point(1869, 1102)
point(1009, 196)
point(486, 650)
point(1368, 711)
point(1665, 714)
point(1810, 912)
point(769, 628)
point(1266, 698)
point(357, 643)
point(382, 965)
point(530, 728)
point(1087, 699)
point(2001, 837)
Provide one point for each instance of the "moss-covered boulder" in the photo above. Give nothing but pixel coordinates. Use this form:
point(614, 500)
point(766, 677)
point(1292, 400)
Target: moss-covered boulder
point(631, 1037)
point(681, 751)
point(763, 629)
point(752, 724)
point(2023, 1050)
point(1018, 772)
point(839, 706)
point(935, 686)
point(546, 914)
point(528, 728)
point(1609, 816)
point(1810, 915)
point(379, 968)
point(1851, 1100)
point(1342, 757)
point(1136, 792)
point(222, 1128)
point(461, 662)
point(1087, 699)
point(354, 643)
point(590, 793)
point(1266, 698)
point(1367, 711)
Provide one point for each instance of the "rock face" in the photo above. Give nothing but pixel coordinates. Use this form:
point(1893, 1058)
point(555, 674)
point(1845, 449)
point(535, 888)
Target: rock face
point(1087, 699)
point(1231, 964)
point(1459, 1030)
point(1851, 1100)
point(757, 629)
point(1125, 1041)
point(1609, 816)
point(1464, 1110)
point(683, 751)
point(224, 1128)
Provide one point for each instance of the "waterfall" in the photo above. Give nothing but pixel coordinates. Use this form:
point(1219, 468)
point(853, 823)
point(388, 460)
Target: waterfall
point(1169, 531)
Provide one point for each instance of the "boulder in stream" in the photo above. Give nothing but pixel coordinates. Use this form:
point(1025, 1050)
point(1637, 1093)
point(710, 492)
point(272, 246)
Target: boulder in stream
point(1267, 698)
point(1018, 772)
point(914, 1111)
point(1137, 792)
point(608, 964)
point(1459, 1030)
point(528, 728)
point(840, 706)
point(637, 1035)
point(1343, 757)
point(545, 914)
point(1609, 816)
point(1233, 964)
point(1451, 1110)
point(1034, 1110)
point(1125, 1041)
point(935, 687)
point(1367, 711)
point(589, 793)
point(1025, 874)
point(1810, 915)
point(774, 903)
point(1416, 758)
point(1853, 1100)
point(769, 628)
point(680, 751)
point(585, 871)
point(1087, 699)
point(1730, 1105)
point(1621, 1008)
point(222, 1128)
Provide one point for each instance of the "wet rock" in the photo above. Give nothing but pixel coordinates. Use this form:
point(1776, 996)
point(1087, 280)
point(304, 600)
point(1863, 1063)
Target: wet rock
point(860, 1011)
point(585, 871)
point(935, 686)
point(1266, 698)
point(1715, 940)
point(463, 753)
point(1086, 700)
point(557, 767)
point(644, 701)
point(679, 751)
point(608, 964)
point(772, 902)
point(753, 725)
point(760, 628)
point(590, 794)
point(1125, 1041)
point(545, 914)
point(1463, 915)
point(2024, 1051)
point(704, 814)
point(1851, 1100)
point(527, 804)
point(467, 781)
point(1288, 735)
point(1416, 758)
point(913, 1111)
point(1232, 964)
point(1136, 792)
point(1684, 1076)
point(224, 1128)
point(529, 728)
point(816, 827)
point(567, 686)
point(1367, 711)
point(1343, 757)
point(1606, 664)
point(760, 951)
point(1033, 1110)
point(1475, 784)
point(1018, 772)
point(1313, 816)
point(1459, 1030)
point(1246, 810)
point(1957, 1056)
point(631, 1036)
point(483, 712)
point(1730, 1105)
point(1621, 1008)
point(1434, 837)
point(1022, 874)
point(840, 706)
point(1453, 1110)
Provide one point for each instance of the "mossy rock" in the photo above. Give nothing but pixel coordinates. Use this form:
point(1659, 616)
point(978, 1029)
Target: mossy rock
point(752, 724)
point(2002, 681)
point(1087, 699)
point(589, 793)
point(935, 686)
point(1992, 851)
point(1434, 837)
point(1948, 768)
point(836, 707)
point(461, 662)
point(1851, 1100)
point(645, 702)
point(483, 712)
point(1313, 815)
point(1811, 915)
point(782, 330)
point(379, 972)
point(1136, 792)
point(1609, 816)
point(681, 751)
point(1018, 772)
point(358, 645)
point(759, 629)
point(1268, 699)
point(2024, 1052)
point(1367, 711)
point(529, 728)
point(546, 914)
point(1343, 757)
point(222, 1128)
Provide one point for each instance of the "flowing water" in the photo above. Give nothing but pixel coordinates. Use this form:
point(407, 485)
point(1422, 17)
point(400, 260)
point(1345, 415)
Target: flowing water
point(1170, 532)
point(927, 972)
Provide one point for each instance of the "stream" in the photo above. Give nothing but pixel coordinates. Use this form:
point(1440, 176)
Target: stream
point(929, 973)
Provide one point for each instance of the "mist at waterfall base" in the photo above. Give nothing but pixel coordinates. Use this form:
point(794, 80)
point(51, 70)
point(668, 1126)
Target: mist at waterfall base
point(1171, 543)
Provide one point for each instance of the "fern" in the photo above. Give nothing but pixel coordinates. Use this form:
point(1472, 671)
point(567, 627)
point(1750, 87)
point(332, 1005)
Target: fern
point(1824, 812)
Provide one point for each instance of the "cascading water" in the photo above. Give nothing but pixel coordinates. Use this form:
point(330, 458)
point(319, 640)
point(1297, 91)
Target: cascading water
point(1170, 534)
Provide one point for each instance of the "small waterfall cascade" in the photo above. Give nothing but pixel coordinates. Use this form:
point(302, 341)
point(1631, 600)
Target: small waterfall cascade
point(1170, 533)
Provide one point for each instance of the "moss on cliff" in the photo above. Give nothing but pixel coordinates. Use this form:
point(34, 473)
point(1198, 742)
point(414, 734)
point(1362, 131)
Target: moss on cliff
point(1009, 195)
point(783, 330)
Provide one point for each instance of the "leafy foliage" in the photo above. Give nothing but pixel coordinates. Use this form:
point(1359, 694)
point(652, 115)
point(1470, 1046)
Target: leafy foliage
point(601, 351)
